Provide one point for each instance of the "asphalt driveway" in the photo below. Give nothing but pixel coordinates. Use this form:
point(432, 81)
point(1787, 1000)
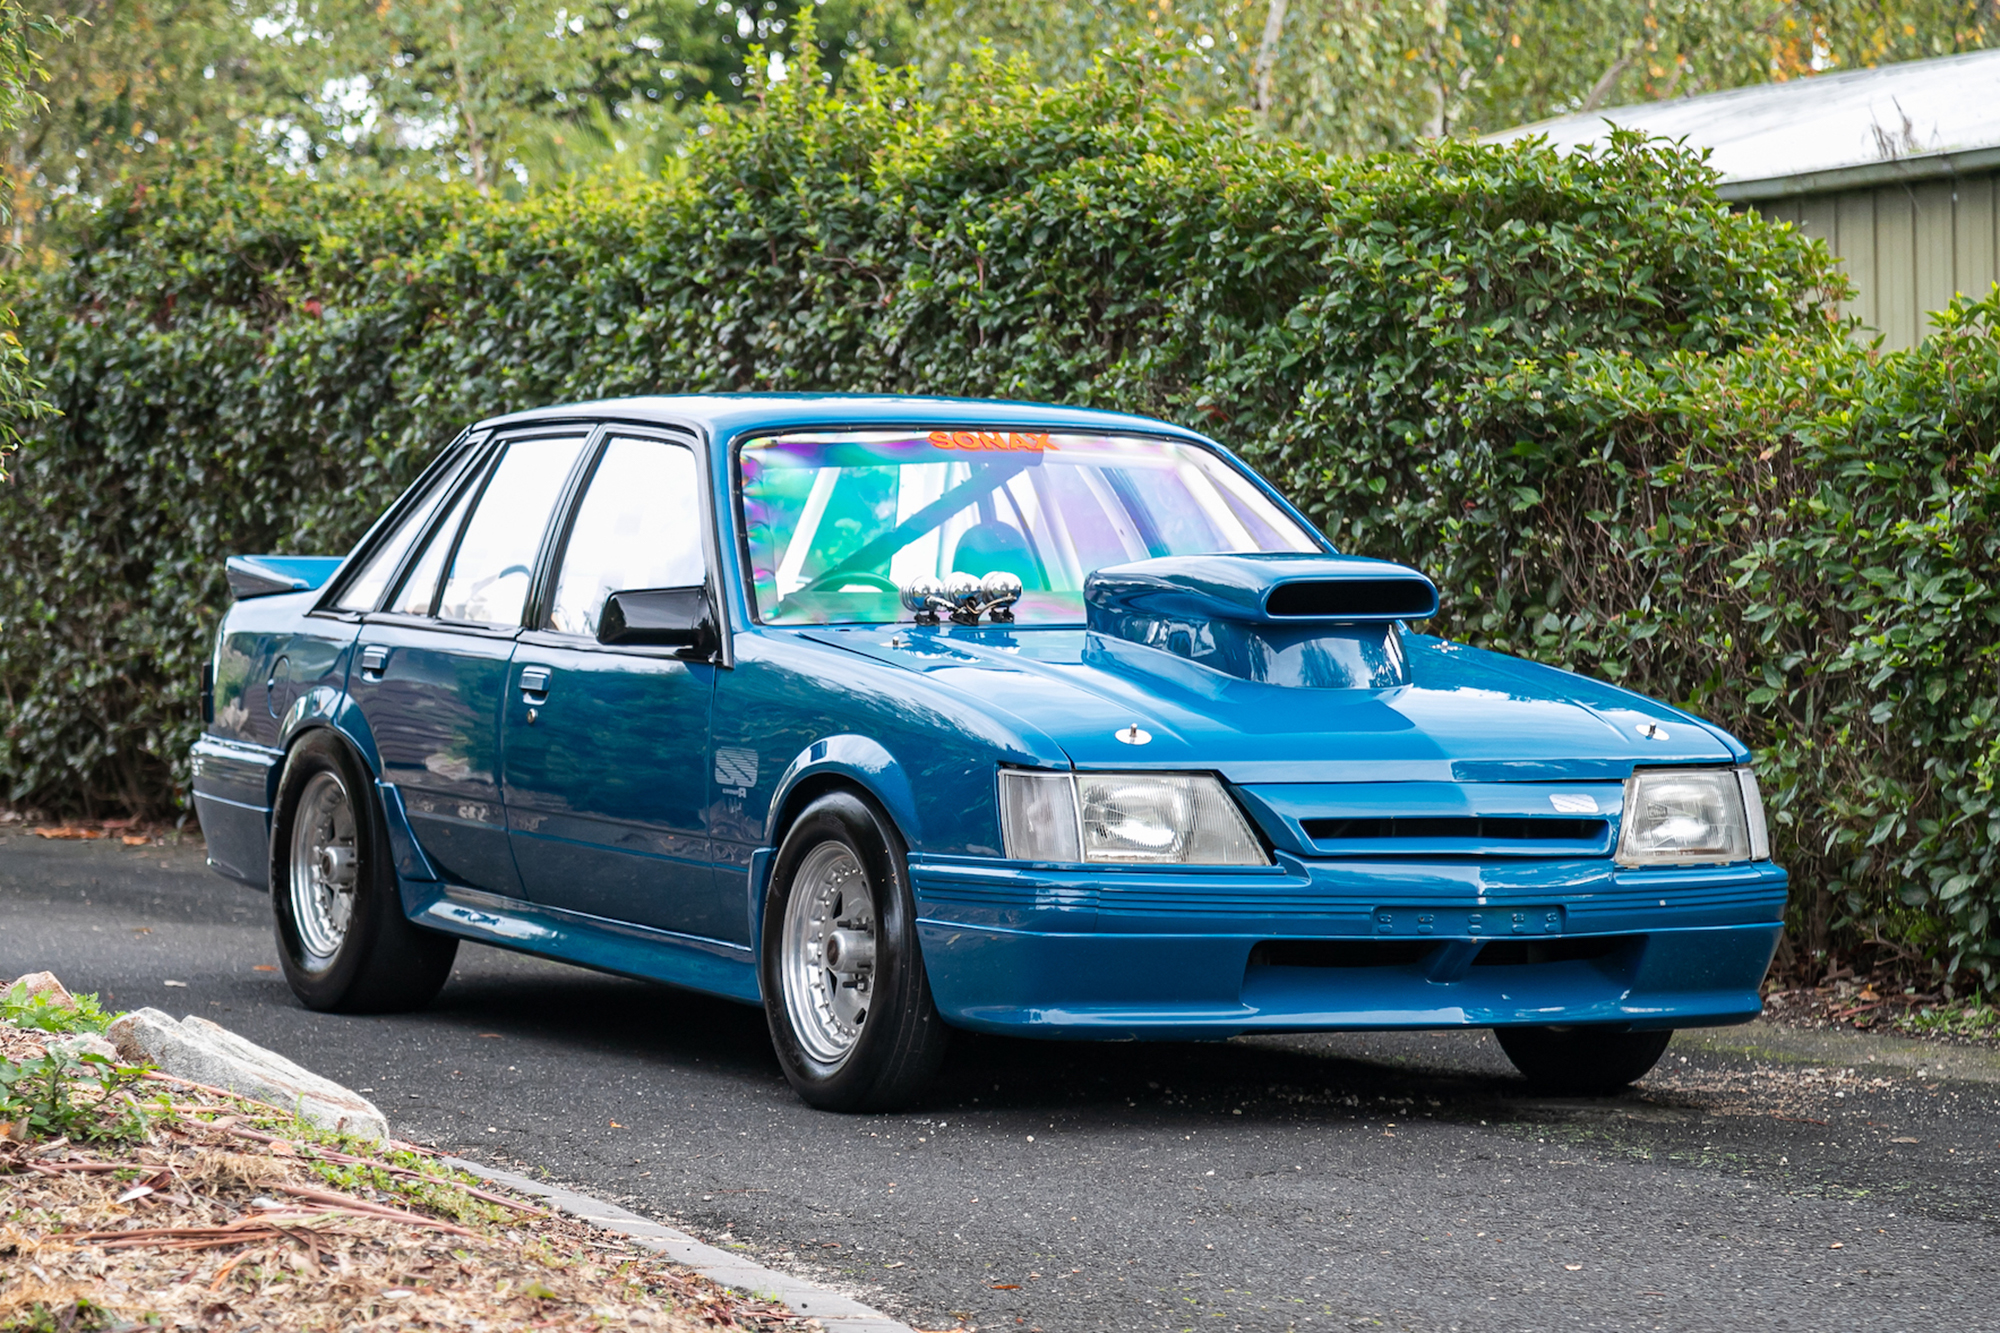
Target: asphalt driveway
point(1762, 1179)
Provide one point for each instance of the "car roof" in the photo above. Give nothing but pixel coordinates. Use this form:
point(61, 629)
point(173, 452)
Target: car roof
point(723, 416)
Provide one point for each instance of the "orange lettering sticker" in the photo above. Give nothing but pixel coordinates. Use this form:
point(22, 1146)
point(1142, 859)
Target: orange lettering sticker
point(990, 439)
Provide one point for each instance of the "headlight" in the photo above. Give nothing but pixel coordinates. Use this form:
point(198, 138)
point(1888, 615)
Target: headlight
point(1698, 816)
point(1124, 819)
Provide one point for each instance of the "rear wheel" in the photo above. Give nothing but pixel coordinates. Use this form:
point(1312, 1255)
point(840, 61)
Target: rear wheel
point(843, 978)
point(343, 940)
point(1582, 1061)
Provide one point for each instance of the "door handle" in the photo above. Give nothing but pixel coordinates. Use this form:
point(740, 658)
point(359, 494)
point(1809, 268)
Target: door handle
point(374, 659)
point(535, 685)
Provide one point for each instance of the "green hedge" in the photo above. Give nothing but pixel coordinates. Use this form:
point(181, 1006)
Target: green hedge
point(1611, 417)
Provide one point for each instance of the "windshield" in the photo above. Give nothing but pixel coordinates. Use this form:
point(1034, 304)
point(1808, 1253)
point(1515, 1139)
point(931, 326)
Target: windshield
point(838, 522)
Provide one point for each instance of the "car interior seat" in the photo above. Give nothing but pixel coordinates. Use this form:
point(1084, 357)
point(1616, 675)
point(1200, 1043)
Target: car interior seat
point(990, 545)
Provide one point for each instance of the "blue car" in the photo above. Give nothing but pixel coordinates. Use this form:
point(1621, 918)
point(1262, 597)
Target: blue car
point(899, 715)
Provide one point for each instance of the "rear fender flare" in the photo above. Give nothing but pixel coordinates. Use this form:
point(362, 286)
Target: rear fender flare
point(326, 708)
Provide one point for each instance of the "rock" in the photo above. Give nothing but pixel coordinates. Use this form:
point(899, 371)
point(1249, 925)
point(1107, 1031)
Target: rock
point(43, 983)
point(204, 1052)
point(84, 1043)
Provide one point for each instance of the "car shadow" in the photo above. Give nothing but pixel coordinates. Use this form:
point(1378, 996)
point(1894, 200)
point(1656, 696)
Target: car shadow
point(1446, 1075)
point(592, 1011)
point(1443, 1074)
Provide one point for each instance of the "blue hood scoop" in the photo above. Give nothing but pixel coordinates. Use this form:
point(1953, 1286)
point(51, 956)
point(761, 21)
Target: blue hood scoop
point(1324, 622)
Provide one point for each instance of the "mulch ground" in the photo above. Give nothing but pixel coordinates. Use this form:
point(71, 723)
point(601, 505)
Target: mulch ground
point(1883, 1004)
point(228, 1215)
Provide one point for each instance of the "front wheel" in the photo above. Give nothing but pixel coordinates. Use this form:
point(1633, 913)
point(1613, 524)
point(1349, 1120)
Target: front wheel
point(344, 942)
point(1582, 1061)
point(843, 978)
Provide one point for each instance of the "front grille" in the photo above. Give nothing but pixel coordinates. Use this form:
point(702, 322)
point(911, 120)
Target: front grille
point(1359, 953)
point(1473, 829)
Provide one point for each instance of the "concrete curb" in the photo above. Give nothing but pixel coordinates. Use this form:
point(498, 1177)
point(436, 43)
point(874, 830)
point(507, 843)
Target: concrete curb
point(838, 1313)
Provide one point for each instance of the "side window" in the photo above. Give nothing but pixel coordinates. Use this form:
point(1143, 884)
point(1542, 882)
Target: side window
point(495, 561)
point(420, 585)
point(639, 527)
point(368, 586)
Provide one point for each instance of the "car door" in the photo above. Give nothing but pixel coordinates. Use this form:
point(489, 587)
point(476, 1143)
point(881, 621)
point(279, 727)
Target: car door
point(431, 667)
point(607, 767)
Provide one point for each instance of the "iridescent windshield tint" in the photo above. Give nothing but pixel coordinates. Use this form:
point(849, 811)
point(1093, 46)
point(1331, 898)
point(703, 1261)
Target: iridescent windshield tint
point(839, 521)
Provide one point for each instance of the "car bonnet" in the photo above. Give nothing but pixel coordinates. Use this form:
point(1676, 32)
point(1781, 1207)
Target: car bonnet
point(1463, 714)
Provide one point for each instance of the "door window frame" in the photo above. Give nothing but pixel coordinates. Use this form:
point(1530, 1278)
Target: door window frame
point(455, 462)
point(474, 483)
point(564, 494)
point(556, 546)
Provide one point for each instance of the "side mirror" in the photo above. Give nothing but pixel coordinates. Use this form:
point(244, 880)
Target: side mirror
point(661, 617)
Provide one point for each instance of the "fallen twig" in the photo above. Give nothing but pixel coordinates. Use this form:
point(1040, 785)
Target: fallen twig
point(370, 1209)
point(58, 1168)
point(244, 1232)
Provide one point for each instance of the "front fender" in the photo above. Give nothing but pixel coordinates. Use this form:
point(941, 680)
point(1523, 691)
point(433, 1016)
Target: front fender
point(862, 761)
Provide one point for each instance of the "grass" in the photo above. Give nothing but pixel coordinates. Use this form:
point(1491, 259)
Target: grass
point(1973, 1019)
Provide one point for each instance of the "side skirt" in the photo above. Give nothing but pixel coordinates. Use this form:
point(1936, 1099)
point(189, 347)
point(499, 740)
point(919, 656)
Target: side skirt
point(648, 954)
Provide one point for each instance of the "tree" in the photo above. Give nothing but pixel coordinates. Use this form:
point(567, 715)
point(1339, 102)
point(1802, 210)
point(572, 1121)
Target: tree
point(508, 95)
point(120, 84)
point(1357, 75)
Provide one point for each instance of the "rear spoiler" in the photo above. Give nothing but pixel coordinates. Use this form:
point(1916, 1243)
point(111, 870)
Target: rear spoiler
point(262, 575)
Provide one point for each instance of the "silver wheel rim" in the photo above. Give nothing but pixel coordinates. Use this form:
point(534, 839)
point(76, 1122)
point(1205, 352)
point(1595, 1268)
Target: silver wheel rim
point(324, 865)
point(828, 961)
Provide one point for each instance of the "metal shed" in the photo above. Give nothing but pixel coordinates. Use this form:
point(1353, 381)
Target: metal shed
point(1896, 168)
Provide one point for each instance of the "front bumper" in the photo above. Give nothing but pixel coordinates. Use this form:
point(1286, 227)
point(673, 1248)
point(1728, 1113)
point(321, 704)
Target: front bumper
point(1327, 946)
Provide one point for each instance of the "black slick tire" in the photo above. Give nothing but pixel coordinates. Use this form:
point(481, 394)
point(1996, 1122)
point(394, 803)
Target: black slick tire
point(902, 1040)
point(1582, 1061)
point(382, 963)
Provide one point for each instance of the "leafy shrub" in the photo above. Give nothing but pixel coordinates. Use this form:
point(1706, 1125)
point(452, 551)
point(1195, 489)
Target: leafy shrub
point(62, 1095)
point(45, 1013)
point(1614, 419)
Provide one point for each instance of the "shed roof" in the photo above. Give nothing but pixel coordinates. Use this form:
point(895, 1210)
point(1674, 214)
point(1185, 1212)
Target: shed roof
point(1831, 131)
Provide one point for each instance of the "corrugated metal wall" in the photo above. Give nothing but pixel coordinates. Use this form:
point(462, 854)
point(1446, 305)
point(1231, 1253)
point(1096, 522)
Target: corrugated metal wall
point(1908, 247)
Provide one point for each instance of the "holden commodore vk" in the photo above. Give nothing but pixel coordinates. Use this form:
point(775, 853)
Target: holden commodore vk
point(899, 715)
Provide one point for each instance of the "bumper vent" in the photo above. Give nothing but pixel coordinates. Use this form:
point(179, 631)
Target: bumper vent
point(1341, 953)
point(1568, 949)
